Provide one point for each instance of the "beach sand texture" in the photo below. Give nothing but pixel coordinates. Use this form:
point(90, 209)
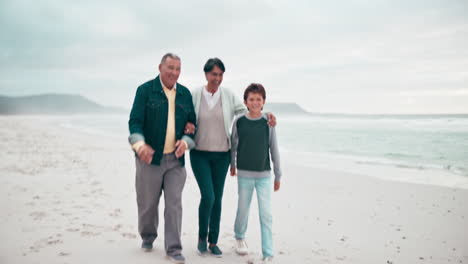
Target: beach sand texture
point(69, 197)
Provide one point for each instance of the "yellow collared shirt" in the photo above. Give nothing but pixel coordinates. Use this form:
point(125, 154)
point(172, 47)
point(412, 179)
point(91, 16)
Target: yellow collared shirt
point(169, 144)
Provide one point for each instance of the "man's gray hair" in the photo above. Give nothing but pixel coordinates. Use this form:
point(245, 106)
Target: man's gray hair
point(169, 55)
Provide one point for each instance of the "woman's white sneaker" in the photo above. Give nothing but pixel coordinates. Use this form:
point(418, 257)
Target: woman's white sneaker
point(241, 247)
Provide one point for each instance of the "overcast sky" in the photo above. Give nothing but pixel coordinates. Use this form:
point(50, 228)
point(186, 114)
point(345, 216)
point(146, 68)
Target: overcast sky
point(349, 56)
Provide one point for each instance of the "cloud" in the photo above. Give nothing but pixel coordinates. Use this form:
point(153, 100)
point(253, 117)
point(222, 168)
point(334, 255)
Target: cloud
point(339, 52)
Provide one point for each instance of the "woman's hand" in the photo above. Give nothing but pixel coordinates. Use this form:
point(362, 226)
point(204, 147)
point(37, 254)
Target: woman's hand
point(189, 128)
point(233, 171)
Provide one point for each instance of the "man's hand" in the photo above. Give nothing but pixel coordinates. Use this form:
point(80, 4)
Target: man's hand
point(233, 171)
point(145, 153)
point(180, 148)
point(271, 119)
point(277, 186)
point(189, 128)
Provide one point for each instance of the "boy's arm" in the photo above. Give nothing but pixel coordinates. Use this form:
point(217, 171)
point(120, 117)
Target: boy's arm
point(274, 152)
point(234, 144)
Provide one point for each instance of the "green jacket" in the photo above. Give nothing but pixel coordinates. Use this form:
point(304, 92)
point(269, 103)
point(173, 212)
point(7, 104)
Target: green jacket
point(148, 117)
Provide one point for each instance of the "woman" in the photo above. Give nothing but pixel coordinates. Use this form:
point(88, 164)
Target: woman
point(215, 108)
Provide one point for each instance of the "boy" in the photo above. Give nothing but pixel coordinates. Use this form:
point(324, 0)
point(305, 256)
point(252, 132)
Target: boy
point(253, 141)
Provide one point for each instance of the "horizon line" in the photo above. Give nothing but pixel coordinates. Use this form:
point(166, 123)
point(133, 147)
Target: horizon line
point(306, 111)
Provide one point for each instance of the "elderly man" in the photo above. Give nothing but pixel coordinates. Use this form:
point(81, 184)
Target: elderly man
point(160, 111)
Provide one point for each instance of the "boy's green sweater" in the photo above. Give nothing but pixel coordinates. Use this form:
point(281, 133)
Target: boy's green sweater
point(253, 148)
point(253, 144)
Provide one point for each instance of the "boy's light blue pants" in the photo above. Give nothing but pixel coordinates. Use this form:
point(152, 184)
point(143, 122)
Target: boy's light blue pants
point(263, 187)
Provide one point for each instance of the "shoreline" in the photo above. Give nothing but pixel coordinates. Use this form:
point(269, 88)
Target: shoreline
point(370, 166)
point(393, 172)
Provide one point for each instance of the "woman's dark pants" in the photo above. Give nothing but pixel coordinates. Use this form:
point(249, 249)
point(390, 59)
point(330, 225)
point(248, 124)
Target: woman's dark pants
point(210, 170)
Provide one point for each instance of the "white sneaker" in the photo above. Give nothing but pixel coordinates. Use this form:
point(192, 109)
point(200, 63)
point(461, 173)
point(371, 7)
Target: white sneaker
point(267, 260)
point(241, 247)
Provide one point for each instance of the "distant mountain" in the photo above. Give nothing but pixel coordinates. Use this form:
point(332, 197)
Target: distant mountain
point(52, 104)
point(77, 104)
point(285, 109)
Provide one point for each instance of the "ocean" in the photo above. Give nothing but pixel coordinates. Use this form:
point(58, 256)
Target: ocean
point(439, 142)
point(436, 142)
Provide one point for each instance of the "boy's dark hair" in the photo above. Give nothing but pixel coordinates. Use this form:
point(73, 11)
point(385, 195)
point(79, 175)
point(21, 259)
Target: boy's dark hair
point(254, 88)
point(211, 63)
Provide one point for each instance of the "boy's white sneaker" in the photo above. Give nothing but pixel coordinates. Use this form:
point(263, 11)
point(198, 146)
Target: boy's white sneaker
point(241, 247)
point(267, 260)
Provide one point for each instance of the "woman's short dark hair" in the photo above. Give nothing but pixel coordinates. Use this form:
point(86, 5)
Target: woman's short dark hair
point(209, 65)
point(254, 88)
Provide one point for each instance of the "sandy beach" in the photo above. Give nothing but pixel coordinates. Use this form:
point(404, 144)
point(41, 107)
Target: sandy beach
point(69, 197)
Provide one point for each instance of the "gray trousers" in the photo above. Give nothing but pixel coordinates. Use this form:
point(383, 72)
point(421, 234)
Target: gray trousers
point(151, 181)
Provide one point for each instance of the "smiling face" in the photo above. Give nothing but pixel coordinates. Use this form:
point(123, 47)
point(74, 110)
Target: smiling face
point(254, 103)
point(214, 78)
point(169, 71)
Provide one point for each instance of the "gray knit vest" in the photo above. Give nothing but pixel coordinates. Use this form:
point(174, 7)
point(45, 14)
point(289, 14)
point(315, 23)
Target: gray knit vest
point(211, 135)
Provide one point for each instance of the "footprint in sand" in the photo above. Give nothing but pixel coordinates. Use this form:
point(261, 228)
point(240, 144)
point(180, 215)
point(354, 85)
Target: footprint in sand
point(398, 249)
point(73, 229)
point(95, 183)
point(129, 235)
point(54, 242)
point(49, 241)
point(37, 216)
point(90, 230)
point(72, 221)
point(116, 213)
point(97, 191)
point(89, 234)
point(20, 188)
